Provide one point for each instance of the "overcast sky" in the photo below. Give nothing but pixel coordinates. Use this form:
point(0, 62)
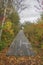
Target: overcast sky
point(30, 14)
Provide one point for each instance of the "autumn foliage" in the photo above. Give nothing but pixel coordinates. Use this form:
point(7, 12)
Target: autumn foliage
point(12, 60)
point(9, 30)
point(34, 33)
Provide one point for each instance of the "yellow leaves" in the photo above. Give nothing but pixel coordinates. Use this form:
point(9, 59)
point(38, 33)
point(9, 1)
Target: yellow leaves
point(11, 32)
point(8, 25)
point(5, 38)
point(42, 46)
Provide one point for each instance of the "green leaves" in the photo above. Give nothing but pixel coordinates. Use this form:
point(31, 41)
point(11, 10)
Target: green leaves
point(2, 45)
point(14, 17)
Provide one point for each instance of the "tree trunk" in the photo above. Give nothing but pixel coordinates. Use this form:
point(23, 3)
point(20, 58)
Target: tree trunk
point(3, 23)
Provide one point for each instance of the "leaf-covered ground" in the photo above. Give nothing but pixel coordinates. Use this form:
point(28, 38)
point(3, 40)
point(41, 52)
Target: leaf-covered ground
point(12, 60)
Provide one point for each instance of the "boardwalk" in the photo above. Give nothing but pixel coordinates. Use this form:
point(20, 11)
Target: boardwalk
point(20, 46)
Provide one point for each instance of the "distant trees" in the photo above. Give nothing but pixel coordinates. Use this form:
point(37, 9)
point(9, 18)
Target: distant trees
point(40, 21)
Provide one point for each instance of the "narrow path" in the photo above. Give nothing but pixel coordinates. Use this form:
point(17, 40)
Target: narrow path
point(20, 46)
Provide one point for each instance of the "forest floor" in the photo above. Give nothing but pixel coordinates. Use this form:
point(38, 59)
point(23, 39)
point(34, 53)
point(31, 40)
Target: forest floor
point(12, 60)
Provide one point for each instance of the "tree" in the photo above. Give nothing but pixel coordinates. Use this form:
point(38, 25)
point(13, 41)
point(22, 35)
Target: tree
point(39, 8)
point(20, 5)
point(8, 9)
point(3, 17)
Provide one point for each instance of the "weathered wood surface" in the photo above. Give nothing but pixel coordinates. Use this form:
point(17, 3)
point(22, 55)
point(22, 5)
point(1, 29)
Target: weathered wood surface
point(20, 46)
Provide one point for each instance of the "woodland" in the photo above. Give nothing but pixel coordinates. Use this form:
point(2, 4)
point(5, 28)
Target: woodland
point(10, 26)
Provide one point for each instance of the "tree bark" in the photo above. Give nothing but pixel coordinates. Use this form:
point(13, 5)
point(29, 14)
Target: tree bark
point(3, 21)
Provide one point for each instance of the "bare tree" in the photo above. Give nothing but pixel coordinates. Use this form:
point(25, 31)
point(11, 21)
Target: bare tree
point(20, 5)
point(39, 7)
